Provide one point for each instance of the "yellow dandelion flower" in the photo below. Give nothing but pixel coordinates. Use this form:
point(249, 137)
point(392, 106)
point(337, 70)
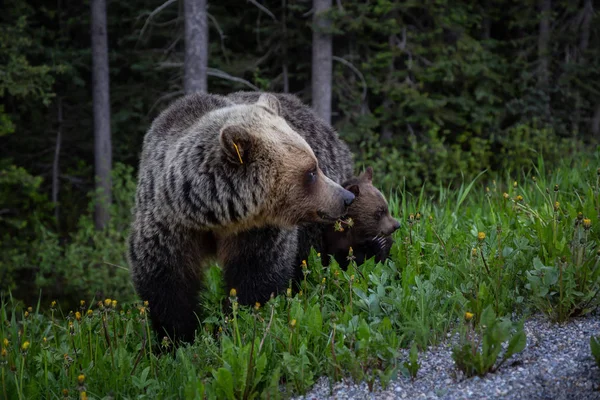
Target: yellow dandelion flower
point(587, 223)
point(45, 340)
point(293, 323)
point(107, 302)
point(26, 314)
point(82, 303)
point(53, 304)
point(78, 316)
point(257, 306)
point(505, 195)
point(481, 236)
point(3, 353)
point(474, 252)
point(142, 310)
point(515, 184)
point(411, 217)
point(318, 254)
point(303, 263)
point(556, 205)
point(30, 309)
point(469, 316)
point(145, 303)
point(25, 345)
point(90, 313)
point(288, 292)
point(83, 396)
point(113, 304)
point(519, 198)
point(323, 281)
point(65, 392)
point(232, 292)
point(81, 379)
point(5, 342)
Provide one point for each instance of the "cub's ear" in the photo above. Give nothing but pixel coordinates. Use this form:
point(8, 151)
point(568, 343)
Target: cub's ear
point(368, 174)
point(237, 144)
point(354, 189)
point(269, 101)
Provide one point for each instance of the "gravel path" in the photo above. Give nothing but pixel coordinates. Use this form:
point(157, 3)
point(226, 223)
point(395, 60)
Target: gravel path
point(556, 364)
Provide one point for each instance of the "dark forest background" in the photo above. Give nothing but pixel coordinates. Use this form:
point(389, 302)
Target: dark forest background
point(427, 92)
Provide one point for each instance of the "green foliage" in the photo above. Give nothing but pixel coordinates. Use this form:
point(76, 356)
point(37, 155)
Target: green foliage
point(412, 364)
point(90, 263)
point(564, 280)
point(595, 348)
point(480, 346)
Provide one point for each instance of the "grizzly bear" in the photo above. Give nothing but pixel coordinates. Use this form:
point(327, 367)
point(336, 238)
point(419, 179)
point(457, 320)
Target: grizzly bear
point(232, 182)
point(369, 233)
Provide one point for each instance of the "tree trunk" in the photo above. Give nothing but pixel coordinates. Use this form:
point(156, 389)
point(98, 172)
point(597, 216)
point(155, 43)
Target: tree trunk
point(322, 60)
point(487, 19)
point(286, 81)
point(101, 100)
point(543, 42)
point(55, 163)
point(196, 46)
point(588, 13)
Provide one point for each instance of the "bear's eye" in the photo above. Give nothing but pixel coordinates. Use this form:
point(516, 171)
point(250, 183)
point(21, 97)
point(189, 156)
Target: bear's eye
point(379, 214)
point(311, 176)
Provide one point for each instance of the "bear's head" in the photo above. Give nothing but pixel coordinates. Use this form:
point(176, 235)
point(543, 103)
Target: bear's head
point(369, 211)
point(277, 171)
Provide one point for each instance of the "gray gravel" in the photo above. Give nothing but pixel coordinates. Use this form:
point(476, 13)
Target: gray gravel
point(556, 364)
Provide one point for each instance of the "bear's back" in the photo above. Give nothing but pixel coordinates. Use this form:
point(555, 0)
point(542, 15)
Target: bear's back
point(183, 113)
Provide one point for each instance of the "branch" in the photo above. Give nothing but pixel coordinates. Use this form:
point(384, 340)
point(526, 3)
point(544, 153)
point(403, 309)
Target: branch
point(357, 72)
point(153, 14)
point(212, 72)
point(264, 9)
point(221, 34)
point(224, 75)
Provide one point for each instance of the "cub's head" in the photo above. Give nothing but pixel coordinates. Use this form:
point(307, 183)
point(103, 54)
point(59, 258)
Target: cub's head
point(369, 211)
point(277, 173)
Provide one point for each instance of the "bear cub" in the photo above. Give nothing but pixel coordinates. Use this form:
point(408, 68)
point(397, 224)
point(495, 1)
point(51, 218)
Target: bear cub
point(372, 225)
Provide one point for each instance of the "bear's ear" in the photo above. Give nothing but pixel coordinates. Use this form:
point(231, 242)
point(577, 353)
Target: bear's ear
point(368, 174)
point(269, 101)
point(354, 189)
point(237, 144)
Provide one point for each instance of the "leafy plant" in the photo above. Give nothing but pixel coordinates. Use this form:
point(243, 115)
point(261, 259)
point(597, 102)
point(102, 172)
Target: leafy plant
point(595, 348)
point(479, 350)
point(412, 365)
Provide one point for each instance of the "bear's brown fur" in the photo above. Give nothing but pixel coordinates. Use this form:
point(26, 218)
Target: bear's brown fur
point(372, 225)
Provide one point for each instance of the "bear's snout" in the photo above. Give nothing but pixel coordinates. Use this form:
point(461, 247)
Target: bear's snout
point(348, 197)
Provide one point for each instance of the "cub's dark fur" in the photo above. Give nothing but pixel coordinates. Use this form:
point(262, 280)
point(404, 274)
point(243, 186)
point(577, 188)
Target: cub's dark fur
point(370, 234)
point(229, 178)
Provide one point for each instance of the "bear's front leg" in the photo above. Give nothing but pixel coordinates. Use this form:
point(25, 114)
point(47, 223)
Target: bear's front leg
point(258, 262)
point(166, 270)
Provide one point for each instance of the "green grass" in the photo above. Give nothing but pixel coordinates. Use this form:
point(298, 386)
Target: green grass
point(499, 244)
